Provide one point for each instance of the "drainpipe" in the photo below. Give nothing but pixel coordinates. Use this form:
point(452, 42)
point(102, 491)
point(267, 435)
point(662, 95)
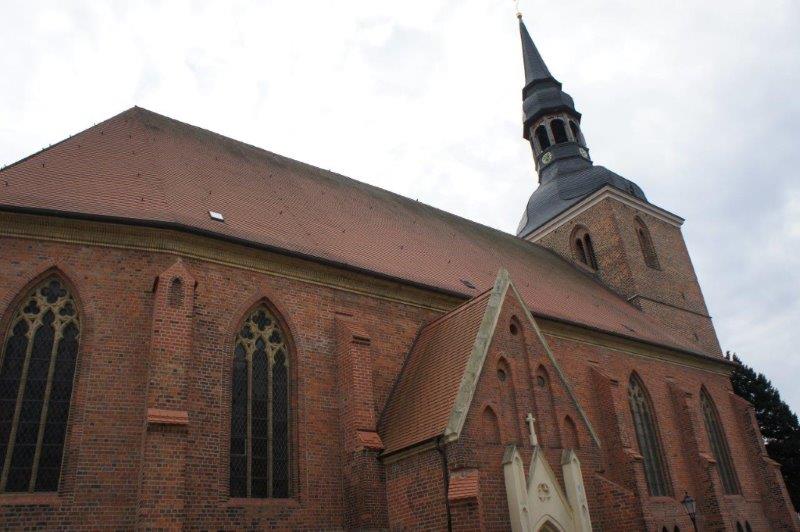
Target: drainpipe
point(446, 477)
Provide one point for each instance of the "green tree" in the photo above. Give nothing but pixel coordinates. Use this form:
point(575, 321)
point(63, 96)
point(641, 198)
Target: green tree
point(776, 420)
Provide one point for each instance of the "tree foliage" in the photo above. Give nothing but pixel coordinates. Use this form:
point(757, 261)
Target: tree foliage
point(778, 424)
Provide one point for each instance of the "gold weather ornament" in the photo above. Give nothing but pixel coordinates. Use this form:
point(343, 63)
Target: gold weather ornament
point(516, 6)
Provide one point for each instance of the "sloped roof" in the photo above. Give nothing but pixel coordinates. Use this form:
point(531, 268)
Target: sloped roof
point(143, 168)
point(563, 189)
point(422, 400)
point(434, 391)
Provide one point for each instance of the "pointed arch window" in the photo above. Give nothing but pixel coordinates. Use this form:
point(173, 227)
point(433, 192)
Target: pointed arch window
point(644, 425)
point(541, 136)
point(559, 131)
point(259, 452)
point(719, 444)
point(583, 248)
point(646, 243)
point(37, 368)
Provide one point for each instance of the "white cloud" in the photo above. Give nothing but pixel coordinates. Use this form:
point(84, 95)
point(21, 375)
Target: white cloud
point(695, 101)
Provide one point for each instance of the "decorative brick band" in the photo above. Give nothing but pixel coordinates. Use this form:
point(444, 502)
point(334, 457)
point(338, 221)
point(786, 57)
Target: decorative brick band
point(158, 416)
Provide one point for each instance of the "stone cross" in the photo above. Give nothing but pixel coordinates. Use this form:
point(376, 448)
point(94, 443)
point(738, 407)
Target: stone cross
point(530, 420)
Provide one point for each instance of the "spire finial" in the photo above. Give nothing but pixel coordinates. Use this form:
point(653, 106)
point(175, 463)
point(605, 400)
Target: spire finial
point(519, 13)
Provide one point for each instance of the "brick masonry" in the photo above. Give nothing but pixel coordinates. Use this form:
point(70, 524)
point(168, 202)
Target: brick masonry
point(671, 294)
point(147, 442)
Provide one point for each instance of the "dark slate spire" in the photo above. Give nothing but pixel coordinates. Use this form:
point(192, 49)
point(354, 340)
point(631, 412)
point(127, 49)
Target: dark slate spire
point(552, 126)
point(542, 92)
point(535, 68)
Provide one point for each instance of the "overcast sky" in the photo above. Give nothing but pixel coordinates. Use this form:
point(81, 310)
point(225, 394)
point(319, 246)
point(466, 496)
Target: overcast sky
point(697, 102)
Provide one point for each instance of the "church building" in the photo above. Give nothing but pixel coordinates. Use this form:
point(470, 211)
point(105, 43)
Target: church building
point(196, 333)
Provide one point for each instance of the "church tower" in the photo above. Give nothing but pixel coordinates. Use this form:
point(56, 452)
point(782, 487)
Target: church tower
point(602, 221)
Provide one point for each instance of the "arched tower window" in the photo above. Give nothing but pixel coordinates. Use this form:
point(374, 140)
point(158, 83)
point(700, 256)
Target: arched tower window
point(582, 247)
point(647, 436)
point(646, 243)
point(559, 131)
point(719, 444)
point(37, 368)
point(541, 136)
point(739, 527)
point(259, 452)
point(576, 132)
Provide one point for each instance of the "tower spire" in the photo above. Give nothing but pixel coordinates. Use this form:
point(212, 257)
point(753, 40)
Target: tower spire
point(552, 126)
point(550, 122)
point(535, 67)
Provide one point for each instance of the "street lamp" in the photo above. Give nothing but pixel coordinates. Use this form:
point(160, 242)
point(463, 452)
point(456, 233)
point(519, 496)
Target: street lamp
point(691, 508)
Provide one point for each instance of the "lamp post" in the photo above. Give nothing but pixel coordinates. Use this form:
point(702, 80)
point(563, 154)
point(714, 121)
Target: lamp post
point(691, 508)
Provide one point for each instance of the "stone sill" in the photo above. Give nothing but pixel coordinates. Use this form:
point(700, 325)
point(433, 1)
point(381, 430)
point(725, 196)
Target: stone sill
point(244, 502)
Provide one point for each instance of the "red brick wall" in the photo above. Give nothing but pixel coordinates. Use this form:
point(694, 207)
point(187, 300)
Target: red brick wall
point(103, 458)
point(671, 294)
point(415, 492)
point(113, 463)
point(583, 363)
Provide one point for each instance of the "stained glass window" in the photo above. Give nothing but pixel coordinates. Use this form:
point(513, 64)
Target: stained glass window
point(719, 444)
point(260, 409)
point(37, 369)
point(644, 425)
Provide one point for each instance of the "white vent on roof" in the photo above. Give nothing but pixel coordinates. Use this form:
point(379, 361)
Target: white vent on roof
point(216, 216)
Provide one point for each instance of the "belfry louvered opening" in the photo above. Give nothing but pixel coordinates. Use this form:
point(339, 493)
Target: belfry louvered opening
point(719, 444)
point(644, 425)
point(37, 370)
point(259, 452)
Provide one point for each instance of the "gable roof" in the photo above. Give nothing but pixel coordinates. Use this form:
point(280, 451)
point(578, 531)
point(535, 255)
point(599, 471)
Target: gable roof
point(434, 390)
point(422, 401)
point(143, 168)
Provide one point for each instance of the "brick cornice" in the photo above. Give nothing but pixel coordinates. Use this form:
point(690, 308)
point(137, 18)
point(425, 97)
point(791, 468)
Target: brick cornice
point(174, 242)
point(635, 348)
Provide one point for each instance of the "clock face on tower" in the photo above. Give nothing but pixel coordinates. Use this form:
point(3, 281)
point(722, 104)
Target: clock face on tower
point(547, 157)
point(583, 152)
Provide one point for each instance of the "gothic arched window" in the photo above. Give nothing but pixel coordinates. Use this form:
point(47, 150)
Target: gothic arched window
point(559, 131)
point(644, 425)
point(259, 452)
point(719, 444)
point(541, 136)
point(37, 367)
point(582, 247)
point(646, 243)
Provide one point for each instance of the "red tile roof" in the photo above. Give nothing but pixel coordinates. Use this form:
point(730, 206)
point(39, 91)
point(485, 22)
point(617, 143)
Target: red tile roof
point(421, 402)
point(142, 167)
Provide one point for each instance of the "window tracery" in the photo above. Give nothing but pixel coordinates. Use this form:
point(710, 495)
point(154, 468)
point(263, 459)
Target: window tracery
point(719, 444)
point(37, 368)
point(259, 452)
point(644, 425)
